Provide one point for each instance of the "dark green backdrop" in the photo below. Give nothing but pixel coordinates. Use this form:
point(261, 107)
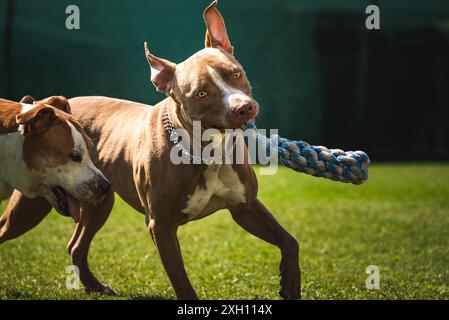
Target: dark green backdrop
point(318, 74)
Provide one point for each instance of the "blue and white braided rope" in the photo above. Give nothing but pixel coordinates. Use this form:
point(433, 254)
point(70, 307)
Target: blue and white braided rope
point(318, 161)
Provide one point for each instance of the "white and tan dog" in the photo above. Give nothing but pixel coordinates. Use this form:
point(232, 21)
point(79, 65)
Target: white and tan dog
point(45, 152)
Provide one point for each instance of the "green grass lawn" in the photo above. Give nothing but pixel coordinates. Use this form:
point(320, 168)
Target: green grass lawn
point(398, 221)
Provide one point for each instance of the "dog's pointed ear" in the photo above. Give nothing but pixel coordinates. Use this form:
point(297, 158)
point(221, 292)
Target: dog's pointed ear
point(27, 99)
point(162, 71)
point(59, 102)
point(216, 34)
point(37, 120)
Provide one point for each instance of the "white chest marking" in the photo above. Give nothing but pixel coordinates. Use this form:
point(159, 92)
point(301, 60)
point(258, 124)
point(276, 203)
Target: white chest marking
point(222, 189)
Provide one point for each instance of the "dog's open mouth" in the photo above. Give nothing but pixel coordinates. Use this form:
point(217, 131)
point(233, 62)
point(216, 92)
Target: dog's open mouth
point(67, 205)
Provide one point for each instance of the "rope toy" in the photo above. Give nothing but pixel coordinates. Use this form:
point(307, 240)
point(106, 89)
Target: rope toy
point(318, 161)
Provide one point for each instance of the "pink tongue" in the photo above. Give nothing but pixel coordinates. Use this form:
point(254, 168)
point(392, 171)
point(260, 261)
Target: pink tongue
point(74, 208)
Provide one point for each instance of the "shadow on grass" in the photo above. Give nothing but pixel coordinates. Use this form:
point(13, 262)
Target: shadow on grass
point(13, 294)
point(156, 297)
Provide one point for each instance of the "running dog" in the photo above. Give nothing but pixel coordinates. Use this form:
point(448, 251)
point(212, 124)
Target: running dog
point(133, 147)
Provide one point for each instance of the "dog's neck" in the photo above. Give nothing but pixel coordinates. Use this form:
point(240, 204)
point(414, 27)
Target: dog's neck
point(13, 170)
point(177, 113)
point(179, 117)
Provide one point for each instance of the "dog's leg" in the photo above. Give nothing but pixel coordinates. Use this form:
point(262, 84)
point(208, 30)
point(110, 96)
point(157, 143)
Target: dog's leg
point(75, 237)
point(92, 219)
point(21, 215)
point(257, 220)
point(166, 241)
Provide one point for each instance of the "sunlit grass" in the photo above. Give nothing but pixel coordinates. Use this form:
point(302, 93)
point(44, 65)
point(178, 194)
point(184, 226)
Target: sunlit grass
point(398, 220)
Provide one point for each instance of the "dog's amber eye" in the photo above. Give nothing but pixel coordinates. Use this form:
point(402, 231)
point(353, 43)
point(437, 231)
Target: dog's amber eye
point(237, 74)
point(202, 94)
point(75, 156)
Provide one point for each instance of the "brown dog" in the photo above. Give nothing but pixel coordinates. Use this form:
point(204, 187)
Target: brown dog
point(134, 148)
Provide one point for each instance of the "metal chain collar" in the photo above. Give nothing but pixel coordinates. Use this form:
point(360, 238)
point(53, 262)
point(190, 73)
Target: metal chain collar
point(174, 137)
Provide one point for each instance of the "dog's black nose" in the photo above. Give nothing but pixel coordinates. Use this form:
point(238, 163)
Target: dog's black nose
point(104, 185)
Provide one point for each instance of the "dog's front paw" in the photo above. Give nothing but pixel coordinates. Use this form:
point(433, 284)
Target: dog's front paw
point(290, 290)
point(290, 282)
point(103, 289)
point(107, 290)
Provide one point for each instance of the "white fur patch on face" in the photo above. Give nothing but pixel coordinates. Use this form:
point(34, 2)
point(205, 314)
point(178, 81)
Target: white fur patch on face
point(80, 144)
point(223, 188)
point(230, 94)
point(86, 169)
point(78, 139)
